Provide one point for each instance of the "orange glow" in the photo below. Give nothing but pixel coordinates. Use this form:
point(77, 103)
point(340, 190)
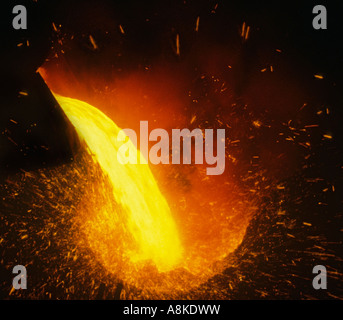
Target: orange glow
point(164, 229)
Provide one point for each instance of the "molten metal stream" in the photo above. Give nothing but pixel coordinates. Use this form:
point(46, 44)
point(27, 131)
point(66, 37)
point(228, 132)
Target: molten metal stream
point(147, 215)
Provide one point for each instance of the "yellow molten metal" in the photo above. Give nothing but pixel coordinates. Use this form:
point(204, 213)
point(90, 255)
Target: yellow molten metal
point(147, 214)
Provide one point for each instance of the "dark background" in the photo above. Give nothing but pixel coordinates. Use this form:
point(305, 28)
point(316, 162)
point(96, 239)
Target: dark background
point(283, 25)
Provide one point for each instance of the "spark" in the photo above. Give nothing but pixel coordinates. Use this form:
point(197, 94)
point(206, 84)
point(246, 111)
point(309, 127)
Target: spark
point(95, 46)
point(197, 24)
point(121, 29)
point(54, 26)
point(245, 32)
point(178, 44)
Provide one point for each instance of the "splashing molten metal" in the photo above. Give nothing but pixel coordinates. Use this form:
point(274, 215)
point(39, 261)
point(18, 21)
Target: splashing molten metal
point(128, 226)
point(149, 223)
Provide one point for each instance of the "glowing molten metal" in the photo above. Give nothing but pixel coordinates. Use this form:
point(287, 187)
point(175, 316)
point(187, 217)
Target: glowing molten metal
point(146, 217)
